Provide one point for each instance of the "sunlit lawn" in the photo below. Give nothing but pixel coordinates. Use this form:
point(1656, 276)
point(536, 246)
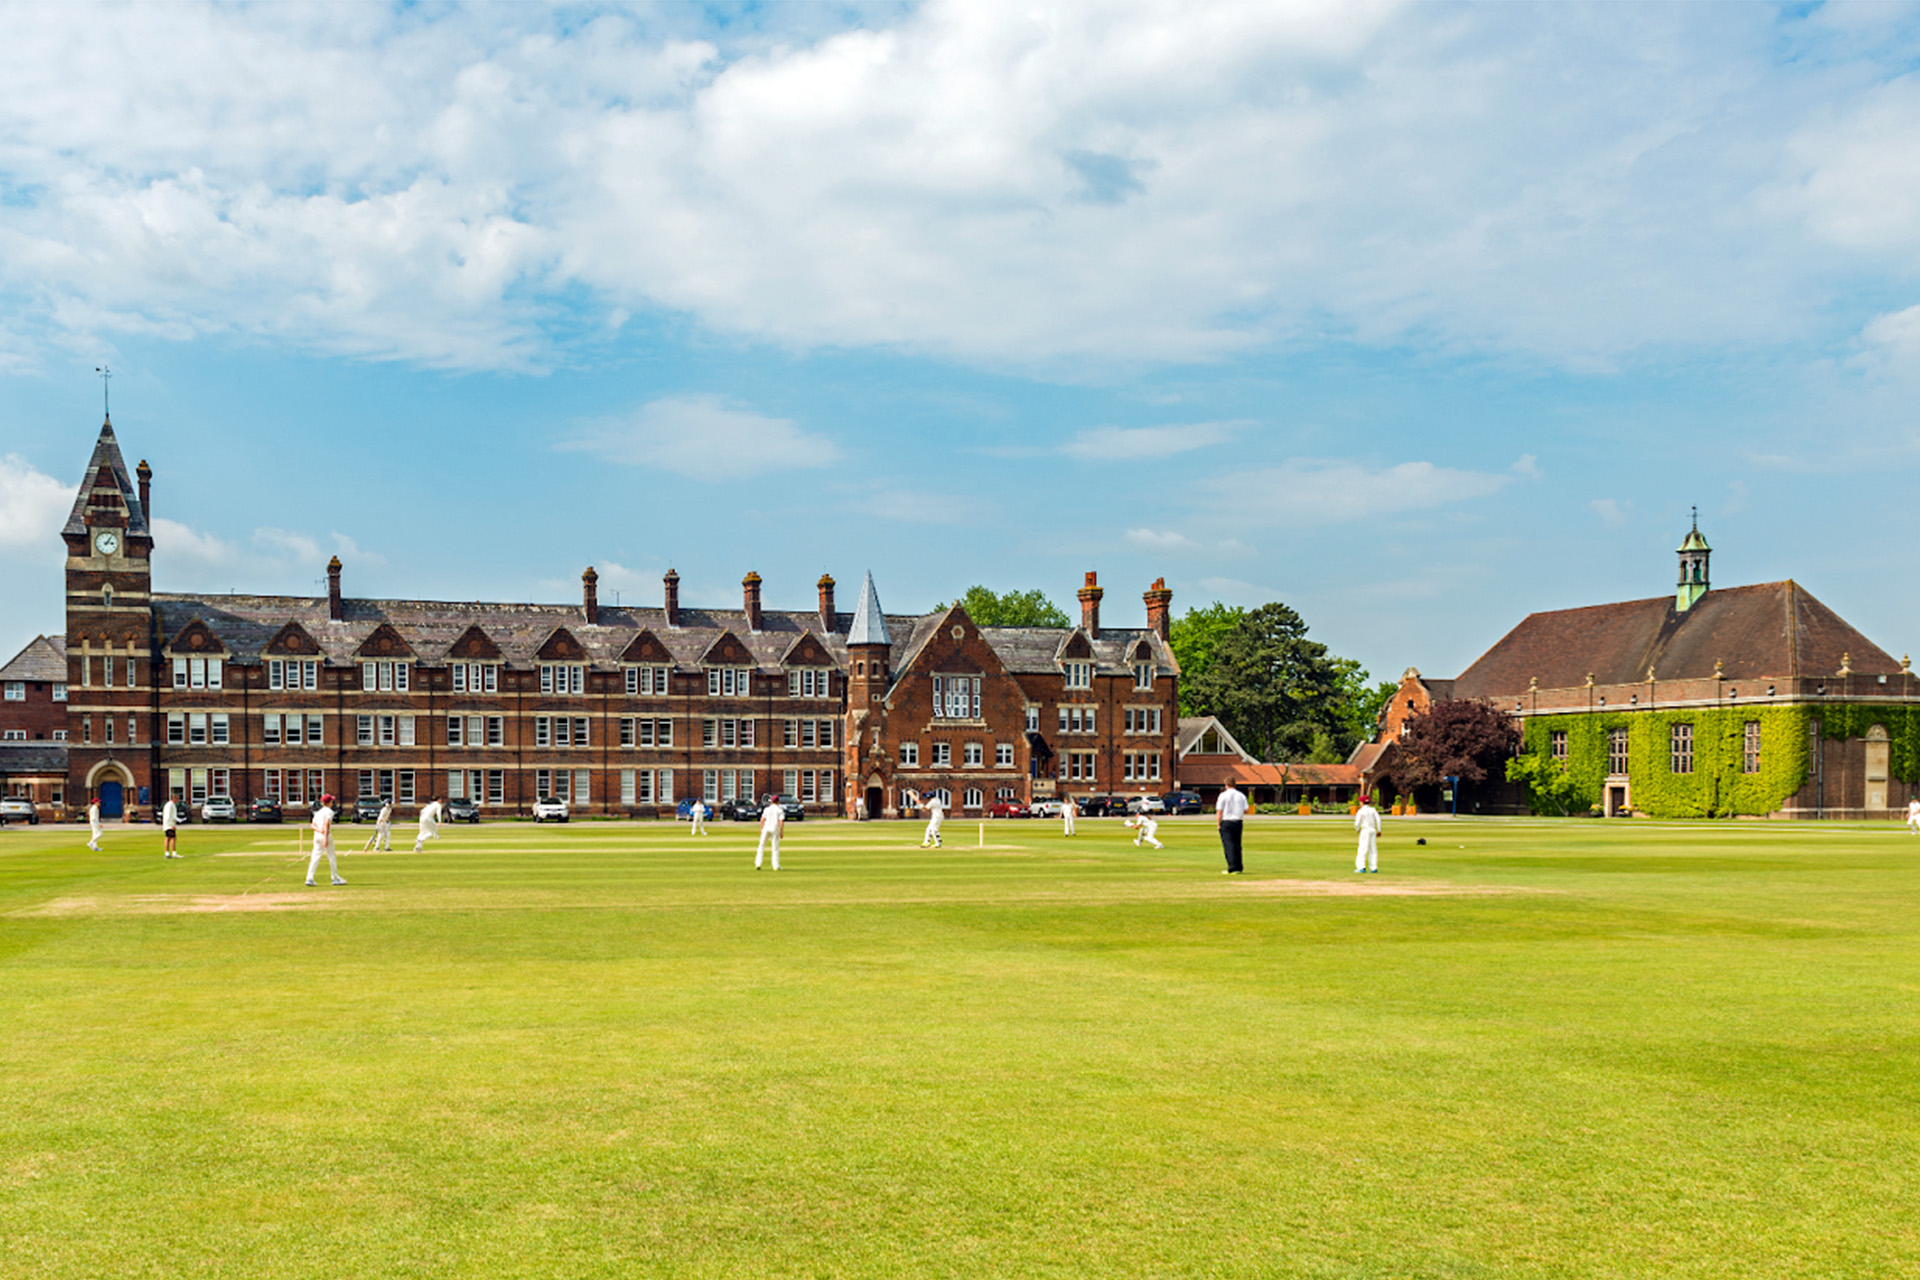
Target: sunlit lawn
point(1527, 1049)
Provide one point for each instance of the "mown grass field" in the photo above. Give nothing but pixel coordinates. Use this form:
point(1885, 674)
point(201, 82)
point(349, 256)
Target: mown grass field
point(1526, 1049)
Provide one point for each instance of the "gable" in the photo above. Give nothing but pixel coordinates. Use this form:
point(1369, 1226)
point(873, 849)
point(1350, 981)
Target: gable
point(293, 639)
point(562, 647)
point(727, 651)
point(954, 644)
point(197, 637)
point(807, 652)
point(474, 645)
point(385, 642)
point(646, 647)
point(1076, 646)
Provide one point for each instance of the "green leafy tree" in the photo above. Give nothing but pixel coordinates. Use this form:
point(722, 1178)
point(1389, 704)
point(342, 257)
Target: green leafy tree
point(1193, 640)
point(1551, 786)
point(1361, 701)
point(1011, 608)
point(1272, 687)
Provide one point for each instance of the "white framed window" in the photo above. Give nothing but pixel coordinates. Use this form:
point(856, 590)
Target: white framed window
point(496, 786)
point(729, 682)
point(1143, 675)
point(972, 755)
point(942, 755)
point(563, 678)
point(217, 729)
point(973, 798)
point(790, 782)
point(710, 785)
point(282, 673)
point(496, 731)
point(647, 681)
point(176, 728)
point(60, 692)
point(364, 730)
point(385, 677)
point(1079, 675)
point(17, 691)
point(475, 677)
point(809, 682)
point(910, 754)
point(1033, 719)
point(956, 697)
point(60, 735)
point(1003, 755)
point(196, 728)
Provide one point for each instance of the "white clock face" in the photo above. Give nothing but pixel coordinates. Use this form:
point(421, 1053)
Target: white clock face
point(106, 542)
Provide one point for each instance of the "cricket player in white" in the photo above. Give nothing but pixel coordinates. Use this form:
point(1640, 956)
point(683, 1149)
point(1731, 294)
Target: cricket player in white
point(1145, 830)
point(383, 828)
point(936, 810)
point(1913, 816)
point(170, 826)
point(1068, 812)
point(773, 821)
point(323, 842)
point(93, 824)
point(429, 825)
point(699, 815)
point(1367, 822)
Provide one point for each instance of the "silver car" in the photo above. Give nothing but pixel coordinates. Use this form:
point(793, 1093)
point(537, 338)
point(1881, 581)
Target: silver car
point(218, 809)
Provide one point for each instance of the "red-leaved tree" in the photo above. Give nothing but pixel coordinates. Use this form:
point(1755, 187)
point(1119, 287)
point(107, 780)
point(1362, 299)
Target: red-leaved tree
point(1457, 738)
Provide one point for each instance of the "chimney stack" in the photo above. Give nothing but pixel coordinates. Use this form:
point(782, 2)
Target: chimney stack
point(1160, 609)
point(335, 609)
point(672, 581)
point(145, 473)
point(750, 588)
point(828, 618)
point(1090, 604)
point(590, 595)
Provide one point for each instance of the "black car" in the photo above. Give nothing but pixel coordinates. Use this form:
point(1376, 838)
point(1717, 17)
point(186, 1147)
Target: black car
point(795, 811)
point(1101, 806)
point(367, 808)
point(461, 809)
point(263, 811)
point(1182, 802)
point(741, 810)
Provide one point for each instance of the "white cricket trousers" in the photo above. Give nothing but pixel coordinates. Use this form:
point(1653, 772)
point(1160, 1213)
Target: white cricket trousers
point(420, 841)
point(383, 836)
point(1066, 823)
point(699, 827)
point(933, 835)
point(313, 863)
point(1148, 838)
point(767, 836)
point(1368, 858)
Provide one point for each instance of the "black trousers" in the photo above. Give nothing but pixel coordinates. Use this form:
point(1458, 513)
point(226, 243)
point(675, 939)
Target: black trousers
point(1230, 844)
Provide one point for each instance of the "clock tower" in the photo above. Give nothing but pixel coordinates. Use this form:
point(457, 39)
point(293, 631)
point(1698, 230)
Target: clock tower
point(110, 646)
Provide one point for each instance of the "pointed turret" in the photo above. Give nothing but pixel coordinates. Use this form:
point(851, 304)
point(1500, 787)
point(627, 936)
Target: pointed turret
point(869, 649)
point(1694, 553)
point(869, 625)
point(107, 496)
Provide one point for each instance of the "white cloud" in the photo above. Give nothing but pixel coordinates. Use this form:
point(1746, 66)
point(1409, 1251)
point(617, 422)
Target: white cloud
point(33, 507)
point(1306, 493)
point(1612, 511)
point(272, 559)
point(1156, 540)
point(1130, 444)
point(705, 437)
point(1527, 465)
point(1057, 186)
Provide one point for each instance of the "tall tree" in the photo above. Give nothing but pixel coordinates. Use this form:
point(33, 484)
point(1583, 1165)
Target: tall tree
point(1011, 608)
point(1271, 686)
point(1454, 738)
point(1361, 701)
point(1194, 636)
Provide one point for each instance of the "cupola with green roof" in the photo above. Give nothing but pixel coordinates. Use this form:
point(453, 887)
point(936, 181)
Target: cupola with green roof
point(1694, 552)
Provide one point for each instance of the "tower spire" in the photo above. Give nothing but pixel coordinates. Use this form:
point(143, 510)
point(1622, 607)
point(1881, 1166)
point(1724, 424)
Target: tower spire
point(1694, 555)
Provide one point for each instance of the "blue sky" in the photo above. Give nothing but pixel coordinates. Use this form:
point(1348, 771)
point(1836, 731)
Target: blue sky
point(1417, 317)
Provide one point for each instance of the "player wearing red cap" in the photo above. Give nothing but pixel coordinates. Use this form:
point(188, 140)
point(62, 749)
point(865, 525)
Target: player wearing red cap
point(323, 841)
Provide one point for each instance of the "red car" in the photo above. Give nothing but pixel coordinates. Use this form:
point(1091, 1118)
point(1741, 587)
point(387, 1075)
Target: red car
point(1008, 809)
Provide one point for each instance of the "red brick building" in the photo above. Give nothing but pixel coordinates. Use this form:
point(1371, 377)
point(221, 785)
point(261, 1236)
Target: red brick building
point(618, 710)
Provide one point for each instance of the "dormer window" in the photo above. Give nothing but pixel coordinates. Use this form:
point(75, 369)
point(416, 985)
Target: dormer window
point(644, 681)
point(196, 673)
point(1079, 674)
point(385, 677)
point(476, 677)
point(729, 682)
point(563, 677)
point(810, 682)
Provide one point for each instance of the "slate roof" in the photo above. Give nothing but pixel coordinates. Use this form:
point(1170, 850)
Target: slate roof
point(1032, 649)
point(44, 659)
point(1771, 629)
point(32, 757)
point(106, 453)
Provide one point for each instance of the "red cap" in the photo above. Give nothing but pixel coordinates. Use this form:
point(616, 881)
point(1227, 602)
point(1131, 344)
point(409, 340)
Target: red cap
point(326, 799)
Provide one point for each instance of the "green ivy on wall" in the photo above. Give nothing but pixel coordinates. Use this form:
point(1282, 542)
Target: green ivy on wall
point(1843, 720)
point(1717, 787)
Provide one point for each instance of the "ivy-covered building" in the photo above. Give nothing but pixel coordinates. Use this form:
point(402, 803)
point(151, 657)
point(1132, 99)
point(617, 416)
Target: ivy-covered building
point(1755, 700)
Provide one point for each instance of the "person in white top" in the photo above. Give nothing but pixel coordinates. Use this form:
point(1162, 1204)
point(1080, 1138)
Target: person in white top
point(170, 826)
point(93, 824)
point(773, 821)
point(429, 824)
point(1366, 820)
point(383, 827)
point(1068, 812)
point(1145, 829)
point(936, 810)
point(1913, 816)
point(1230, 813)
point(699, 815)
point(323, 842)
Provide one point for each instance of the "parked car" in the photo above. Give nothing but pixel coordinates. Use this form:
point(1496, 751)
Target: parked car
point(1146, 804)
point(18, 809)
point(218, 809)
point(795, 811)
point(263, 811)
point(1044, 809)
point(1183, 802)
point(1008, 809)
point(547, 809)
point(461, 809)
point(740, 810)
point(367, 808)
point(683, 811)
point(1101, 806)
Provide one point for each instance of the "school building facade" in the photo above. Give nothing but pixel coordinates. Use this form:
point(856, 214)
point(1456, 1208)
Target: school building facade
point(617, 710)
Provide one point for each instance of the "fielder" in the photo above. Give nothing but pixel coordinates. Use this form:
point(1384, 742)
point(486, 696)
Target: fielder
point(170, 826)
point(1367, 822)
point(1913, 816)
point(323, 842)
point(936, 810)
point(1145, 830)
point(93, 824)
point(773, 821)
point(383, 829)
point(429, 825)
point(1068, 812)
point(699, 815)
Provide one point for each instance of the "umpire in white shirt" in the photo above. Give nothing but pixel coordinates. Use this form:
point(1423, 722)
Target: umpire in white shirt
point(1230, 812)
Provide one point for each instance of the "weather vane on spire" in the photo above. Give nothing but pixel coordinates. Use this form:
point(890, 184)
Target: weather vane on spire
point(1696, 517)
point(106, 376)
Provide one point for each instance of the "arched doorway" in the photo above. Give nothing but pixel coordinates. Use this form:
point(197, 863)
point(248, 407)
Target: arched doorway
point(876, 797)
point(110, 781)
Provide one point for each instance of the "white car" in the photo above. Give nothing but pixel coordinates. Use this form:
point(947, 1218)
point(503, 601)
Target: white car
point(1044, 808)
point(18, 809)
point(218, 809)
point(547, 809)
point(1146, 804)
